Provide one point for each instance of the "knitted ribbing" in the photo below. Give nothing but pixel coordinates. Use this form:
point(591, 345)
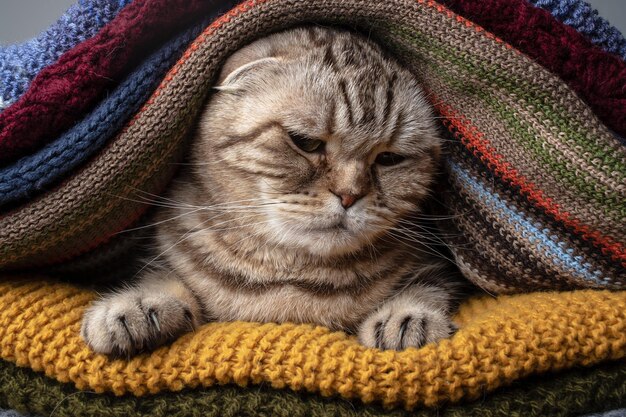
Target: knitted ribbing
point(563, 394)
point(560, 49)
point(582, 17)
point(19, 64)
point(499, 341)
point(63, 91)
point(34, 173)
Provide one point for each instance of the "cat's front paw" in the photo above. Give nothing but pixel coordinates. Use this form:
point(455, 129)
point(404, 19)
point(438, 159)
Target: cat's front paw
point(399, 326)
point(125, 323)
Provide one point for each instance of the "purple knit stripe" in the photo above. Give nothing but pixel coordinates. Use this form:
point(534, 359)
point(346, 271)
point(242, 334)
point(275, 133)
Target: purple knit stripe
point(20, 63)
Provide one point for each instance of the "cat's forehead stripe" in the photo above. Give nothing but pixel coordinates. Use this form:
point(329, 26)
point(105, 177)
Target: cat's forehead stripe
point(346, 101)
point(391, 82)
point(331, 118)
point(329, 58)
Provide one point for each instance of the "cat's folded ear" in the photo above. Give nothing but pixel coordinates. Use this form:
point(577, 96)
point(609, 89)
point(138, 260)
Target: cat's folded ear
point(244, 63)
point(237, 79)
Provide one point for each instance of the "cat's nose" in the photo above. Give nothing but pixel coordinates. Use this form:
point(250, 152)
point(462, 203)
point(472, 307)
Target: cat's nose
point(347, 200)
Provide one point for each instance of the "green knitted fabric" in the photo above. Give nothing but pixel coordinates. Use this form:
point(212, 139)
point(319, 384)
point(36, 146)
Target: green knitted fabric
point(572, 393)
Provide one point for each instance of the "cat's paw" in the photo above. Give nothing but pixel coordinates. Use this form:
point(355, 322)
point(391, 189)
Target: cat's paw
point(123, 324)
point(399, 326)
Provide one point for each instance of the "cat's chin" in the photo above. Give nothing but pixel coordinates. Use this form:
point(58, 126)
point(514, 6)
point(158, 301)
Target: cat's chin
point(331, 244)
point(327, 242)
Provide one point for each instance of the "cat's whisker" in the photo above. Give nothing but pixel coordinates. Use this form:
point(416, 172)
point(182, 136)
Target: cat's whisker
point(190, 233)
point(226, 206)
point(157, 223)
point(436, 231)
point(404, 226)
point(204, 163)
point(427, 229)
point(419, 248)
point(213, 228)
point(182, 206)
point(370, 247)
point(424, 232)
point(182, 215)
point(438, 240)
point(142, 193)
point(157, 197)
point(241, 226)
point(417, 237)
point(426, 216)
point(143, 201)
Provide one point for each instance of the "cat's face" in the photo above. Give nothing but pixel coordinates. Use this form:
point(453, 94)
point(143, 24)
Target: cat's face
point(323, 148)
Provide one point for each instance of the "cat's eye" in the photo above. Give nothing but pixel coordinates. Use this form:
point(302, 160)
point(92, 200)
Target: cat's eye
point(389, 158)
point(306, 144)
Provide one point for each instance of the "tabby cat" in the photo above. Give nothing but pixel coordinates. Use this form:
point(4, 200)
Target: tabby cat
point(308, 172)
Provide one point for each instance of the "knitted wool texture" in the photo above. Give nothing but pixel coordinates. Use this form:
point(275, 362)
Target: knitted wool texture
point(582, 17)
point(500, 341)
point(53, 104)
point(570, 393)
point(35, 173)
point(92, 67)
point(560, 49)
point(19, 64)
point(537, 180)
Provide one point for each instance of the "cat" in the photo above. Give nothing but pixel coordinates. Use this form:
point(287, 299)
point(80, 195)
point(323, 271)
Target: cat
point(307, 174)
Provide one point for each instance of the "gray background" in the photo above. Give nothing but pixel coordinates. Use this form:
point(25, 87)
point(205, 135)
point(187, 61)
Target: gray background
point(23, 19)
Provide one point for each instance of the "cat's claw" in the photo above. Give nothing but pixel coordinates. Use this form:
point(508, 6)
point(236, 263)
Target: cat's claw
point(154, 319)
point(127, 323)
point(401, 326)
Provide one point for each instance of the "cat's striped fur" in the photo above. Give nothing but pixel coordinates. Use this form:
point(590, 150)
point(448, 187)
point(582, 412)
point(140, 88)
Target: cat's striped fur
point(263, 227)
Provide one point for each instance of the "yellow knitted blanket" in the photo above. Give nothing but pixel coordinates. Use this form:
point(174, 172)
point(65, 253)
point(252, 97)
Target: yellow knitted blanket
point(500, 340)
